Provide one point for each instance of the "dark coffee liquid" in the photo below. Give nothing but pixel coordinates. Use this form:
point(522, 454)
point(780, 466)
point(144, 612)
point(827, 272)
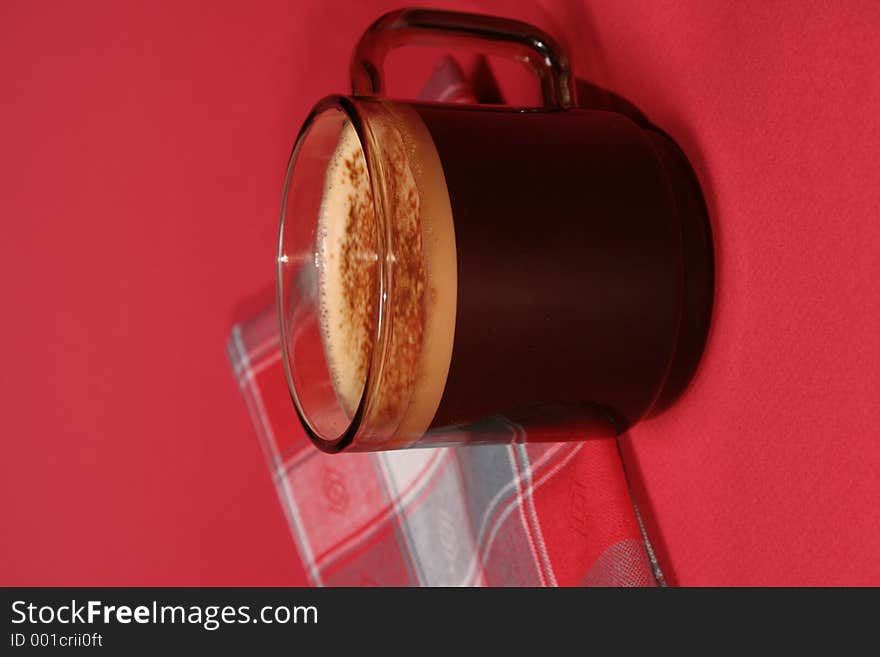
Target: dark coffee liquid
point(570, 264)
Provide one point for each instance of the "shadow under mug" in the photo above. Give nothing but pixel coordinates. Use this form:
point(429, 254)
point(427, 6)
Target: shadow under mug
point(457, 274)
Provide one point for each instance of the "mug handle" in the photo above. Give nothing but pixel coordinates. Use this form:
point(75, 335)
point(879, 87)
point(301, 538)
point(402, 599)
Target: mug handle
point(497, 36)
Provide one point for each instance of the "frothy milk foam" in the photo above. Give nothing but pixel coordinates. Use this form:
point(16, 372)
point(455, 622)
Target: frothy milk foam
point(422, 303)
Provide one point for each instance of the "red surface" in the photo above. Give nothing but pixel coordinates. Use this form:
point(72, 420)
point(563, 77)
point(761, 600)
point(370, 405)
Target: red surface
point(143, 146)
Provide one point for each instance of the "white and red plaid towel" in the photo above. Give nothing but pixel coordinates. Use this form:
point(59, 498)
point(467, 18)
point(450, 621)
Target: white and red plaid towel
point(524, 514)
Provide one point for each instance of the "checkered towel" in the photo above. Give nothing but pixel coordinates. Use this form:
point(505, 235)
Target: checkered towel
point(524, 514)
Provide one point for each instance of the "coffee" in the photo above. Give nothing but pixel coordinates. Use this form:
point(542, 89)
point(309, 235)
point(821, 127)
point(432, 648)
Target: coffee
point(346, 262)
point(568, 261)
point(420, 254)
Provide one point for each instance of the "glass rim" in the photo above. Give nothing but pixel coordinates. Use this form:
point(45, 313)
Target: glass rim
point(349, 107)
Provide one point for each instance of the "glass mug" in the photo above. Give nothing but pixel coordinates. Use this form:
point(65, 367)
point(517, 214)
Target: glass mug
point(454, 274)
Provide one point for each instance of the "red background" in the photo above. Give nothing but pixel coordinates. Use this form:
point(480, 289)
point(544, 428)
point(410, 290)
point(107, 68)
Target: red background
point(142, 147)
